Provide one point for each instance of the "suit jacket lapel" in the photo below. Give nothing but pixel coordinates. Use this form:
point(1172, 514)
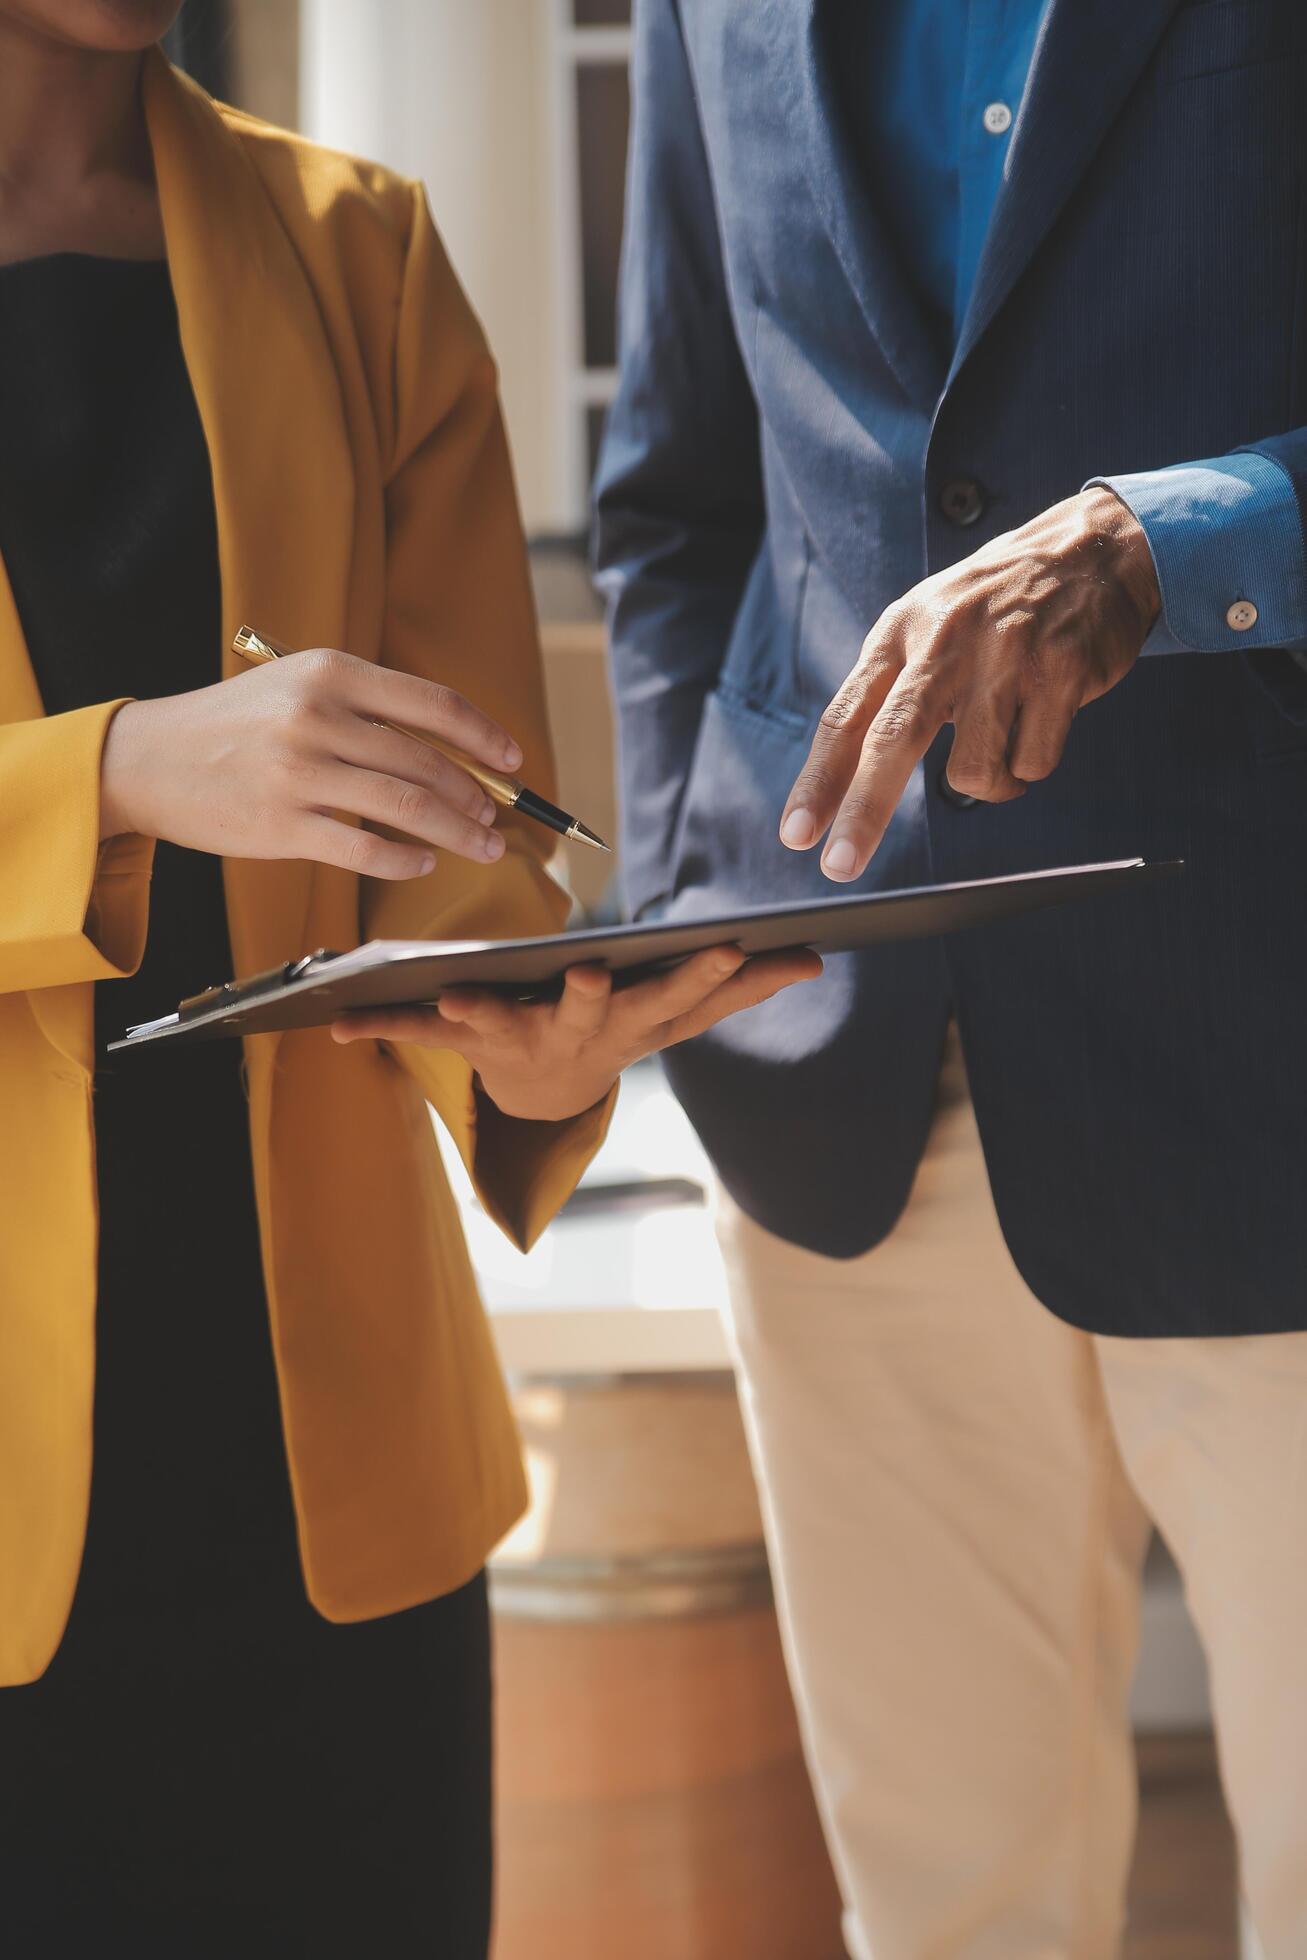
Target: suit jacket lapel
point(269, 399)
point(1088, 56)
point(903, 329)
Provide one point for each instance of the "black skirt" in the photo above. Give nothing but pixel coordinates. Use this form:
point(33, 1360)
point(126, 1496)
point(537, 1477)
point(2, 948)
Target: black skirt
point(208, 1766)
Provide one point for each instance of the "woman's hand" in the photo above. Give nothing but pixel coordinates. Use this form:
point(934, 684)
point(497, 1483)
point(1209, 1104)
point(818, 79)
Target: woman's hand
point(265, 764)
point(554, 1059)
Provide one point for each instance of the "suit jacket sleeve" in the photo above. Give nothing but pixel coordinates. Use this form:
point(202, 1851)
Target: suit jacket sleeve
point(679, 515)
point(71, 908)
point(459, 610)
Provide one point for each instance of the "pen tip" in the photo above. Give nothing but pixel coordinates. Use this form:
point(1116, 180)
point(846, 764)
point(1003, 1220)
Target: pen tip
point(584, 835)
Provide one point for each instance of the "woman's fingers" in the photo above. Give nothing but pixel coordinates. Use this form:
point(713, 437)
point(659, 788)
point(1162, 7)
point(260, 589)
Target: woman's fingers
point(426, 1027)
point(482, 1013)
point(406, 806)
point(650, 1003)
point(466, 1019)
point(390, 752)
point(385, 694)
point(482, 1026)
point(583, 1005)
point(324, 840)
point(756, 982)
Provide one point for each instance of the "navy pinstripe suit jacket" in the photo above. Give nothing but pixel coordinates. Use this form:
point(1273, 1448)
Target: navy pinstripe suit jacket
point(785, 425)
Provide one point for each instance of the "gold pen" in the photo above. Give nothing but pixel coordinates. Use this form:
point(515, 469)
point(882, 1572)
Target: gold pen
point(505, 790)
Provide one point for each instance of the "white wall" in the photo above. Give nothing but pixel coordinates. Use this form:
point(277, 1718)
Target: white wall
point(460, 94)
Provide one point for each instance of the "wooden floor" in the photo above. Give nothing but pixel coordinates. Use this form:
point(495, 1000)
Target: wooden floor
point(1183, 1891)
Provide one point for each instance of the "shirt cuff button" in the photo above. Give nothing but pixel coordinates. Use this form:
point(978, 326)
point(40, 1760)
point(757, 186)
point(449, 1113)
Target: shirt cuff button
point(1242, 615)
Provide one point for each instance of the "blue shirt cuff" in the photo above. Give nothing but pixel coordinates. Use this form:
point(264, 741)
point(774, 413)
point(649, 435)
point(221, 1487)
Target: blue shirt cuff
point(1227, 541)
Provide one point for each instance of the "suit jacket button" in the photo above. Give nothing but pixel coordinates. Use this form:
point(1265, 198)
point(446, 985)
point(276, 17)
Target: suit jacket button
point(962, 500)
point(954, 796)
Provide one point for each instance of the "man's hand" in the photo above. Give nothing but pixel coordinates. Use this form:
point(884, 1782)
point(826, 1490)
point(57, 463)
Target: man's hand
point(552, 1059)
point(1006, 646)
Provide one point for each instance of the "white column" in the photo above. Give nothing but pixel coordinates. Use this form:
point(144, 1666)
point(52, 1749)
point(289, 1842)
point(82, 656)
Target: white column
point(460, 93)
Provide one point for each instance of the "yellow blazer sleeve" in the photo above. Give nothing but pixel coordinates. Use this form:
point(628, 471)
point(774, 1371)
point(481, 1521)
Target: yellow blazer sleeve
point(459, 609)
point(71, 908)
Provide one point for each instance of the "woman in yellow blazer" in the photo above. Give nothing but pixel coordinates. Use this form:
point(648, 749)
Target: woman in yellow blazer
point(238, 381)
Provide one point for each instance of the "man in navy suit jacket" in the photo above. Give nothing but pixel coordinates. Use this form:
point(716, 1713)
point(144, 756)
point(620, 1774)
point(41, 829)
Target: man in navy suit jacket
point(975, 336)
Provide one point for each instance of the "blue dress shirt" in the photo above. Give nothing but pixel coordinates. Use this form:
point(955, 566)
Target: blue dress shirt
point(947, 79)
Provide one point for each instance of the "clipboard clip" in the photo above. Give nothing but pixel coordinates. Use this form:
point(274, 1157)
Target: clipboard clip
point(233, 993)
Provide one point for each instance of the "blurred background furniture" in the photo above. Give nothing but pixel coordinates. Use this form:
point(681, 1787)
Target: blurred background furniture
point(652, 1797)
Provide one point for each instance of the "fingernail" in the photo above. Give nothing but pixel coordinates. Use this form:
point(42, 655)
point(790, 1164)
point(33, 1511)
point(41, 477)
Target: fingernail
point(512, 755)
point(492, 844)
point(841, 859)
point(487, 811)
point(428, 863)
point(798, 830)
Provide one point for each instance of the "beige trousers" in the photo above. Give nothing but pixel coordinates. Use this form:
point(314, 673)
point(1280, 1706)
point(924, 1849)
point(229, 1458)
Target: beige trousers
point(958, 1488)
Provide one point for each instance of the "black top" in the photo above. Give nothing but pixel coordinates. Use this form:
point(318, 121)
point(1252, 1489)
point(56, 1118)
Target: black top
point(206, 1760)
point(108, 532)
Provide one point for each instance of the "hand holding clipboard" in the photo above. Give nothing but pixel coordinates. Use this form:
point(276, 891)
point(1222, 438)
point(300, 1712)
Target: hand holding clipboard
point(678, 976)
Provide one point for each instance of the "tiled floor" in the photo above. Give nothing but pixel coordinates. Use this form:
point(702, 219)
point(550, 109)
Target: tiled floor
point(1183, 1892)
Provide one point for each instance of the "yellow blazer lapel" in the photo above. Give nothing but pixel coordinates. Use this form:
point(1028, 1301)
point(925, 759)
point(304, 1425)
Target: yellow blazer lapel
point(20, 697)
point(269, 399)
point(65, 1014)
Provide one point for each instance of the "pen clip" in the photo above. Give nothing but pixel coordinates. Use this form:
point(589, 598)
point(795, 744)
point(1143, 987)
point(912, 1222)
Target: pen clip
point(232, 992)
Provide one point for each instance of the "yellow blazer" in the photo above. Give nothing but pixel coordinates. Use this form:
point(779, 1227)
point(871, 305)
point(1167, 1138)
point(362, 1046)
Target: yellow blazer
point(364, 501)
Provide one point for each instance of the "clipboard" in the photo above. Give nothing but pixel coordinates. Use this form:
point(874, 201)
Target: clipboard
point(317, 989)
